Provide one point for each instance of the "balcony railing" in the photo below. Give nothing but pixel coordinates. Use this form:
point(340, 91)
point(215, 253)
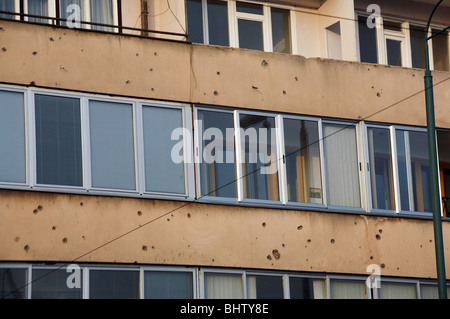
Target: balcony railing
point(86, 25)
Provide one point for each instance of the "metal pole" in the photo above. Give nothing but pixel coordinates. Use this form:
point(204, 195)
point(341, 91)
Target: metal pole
point(434, 173)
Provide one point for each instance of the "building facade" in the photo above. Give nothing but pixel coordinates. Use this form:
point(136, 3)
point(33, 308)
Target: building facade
point(220, 149)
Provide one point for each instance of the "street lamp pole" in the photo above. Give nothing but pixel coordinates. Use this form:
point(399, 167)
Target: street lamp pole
point(434, 173)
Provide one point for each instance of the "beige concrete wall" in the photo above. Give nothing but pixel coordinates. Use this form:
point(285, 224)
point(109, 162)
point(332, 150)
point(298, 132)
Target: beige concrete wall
point(147, 68)
point(73, 228)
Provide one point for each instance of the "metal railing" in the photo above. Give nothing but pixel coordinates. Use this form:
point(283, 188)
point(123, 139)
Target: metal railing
point(119, 29)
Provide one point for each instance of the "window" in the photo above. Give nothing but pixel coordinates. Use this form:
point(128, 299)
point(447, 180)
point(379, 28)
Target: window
point(12, 137)
point(259, 160)
point(239, 24)
point(397, 290)
point(42, 8)
point(348, 289)
point(223, 286)
point(302, 161)
point(113, 284)
point(9, 6)
point(401, 44)
point(13, 283)
point(168, 285)
point(112, 145)
point(380, 168)
point(334, 45)
point(58, 140)
point(265, 287)
point(413, 171)
point(162, 172)
point(95, 11)
point(307, 288)
point(341, 165)
point(443, 140)
point(51, 283)
point(217, 154)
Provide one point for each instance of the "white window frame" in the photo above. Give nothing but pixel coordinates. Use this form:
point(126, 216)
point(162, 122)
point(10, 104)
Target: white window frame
point(86, 188)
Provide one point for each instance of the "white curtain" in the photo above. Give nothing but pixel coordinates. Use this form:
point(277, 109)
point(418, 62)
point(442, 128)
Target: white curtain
point(101, 12)
point(341, 165)
point(347, 289)
point(223, 286)
point(397, 291)
point(39, 8)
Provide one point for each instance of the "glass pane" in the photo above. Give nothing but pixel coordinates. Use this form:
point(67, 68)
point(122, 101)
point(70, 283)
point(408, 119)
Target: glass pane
point(12, 137)
point(367, 41)
point(38, 8)
point(417, 35)
point(113, 284)
point(259, 168)
point(217, 166)
point(393, 26)
point(341, 165)
point(250, 34)
point(380, 162)
point(218, 22)
point(194, 20)
point(102, 12)
point(12, 283)
point(304, 181)
point(71, 10)
point(168, 285)
point(223, 286)
point(348, 289)
point(264, 287)
point(249, 8)
point(391, 290)
point(441, 54)
point(162, 173)
point(281, 34)
point(52, 284)
point(394, 52)
point(443, 140)
point(420, 167)
point(7, 5)
point(58, 141)
point(112, 145)
point(413, 168)
point(306, 288)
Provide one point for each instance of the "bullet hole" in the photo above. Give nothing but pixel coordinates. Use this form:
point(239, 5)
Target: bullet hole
point(308, 241)
point(296, 79)
point(81, 204)
point(264, 63)
point(137, 54)
point(382, 265)
point(64, 240)
point(276, 254)
point(156, 53)
point(378, 237)
point(269, 257)
point(152, 89)
point(414, 75)
point(216, 93)
point(431, 240)
point(380, 231)
point(127, 82)
point(168, 219)
point(2, 29)
point(83, 237)
point(212, 259)
point(26, 247)
point(153, 247)
point(16, 239)
point(53, 227)
point(356, 223)
point(35, 211)
point(371, 257)
point(151, 70)
point(263, 224)
point(332, 241)
point(189, 215)
point(284, 92)
point(34, 52)
point(51, 39)
point(144, 248)
point(254, 87)
point(300, 227)
point(378, 94)
point(3, 49)
point(283, 245)
point(218, 73)
point(139, 213)
point(40, 208)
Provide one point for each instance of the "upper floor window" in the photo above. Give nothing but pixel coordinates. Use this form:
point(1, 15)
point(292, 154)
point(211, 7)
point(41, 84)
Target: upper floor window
point(402, 43)
point(239, 24)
